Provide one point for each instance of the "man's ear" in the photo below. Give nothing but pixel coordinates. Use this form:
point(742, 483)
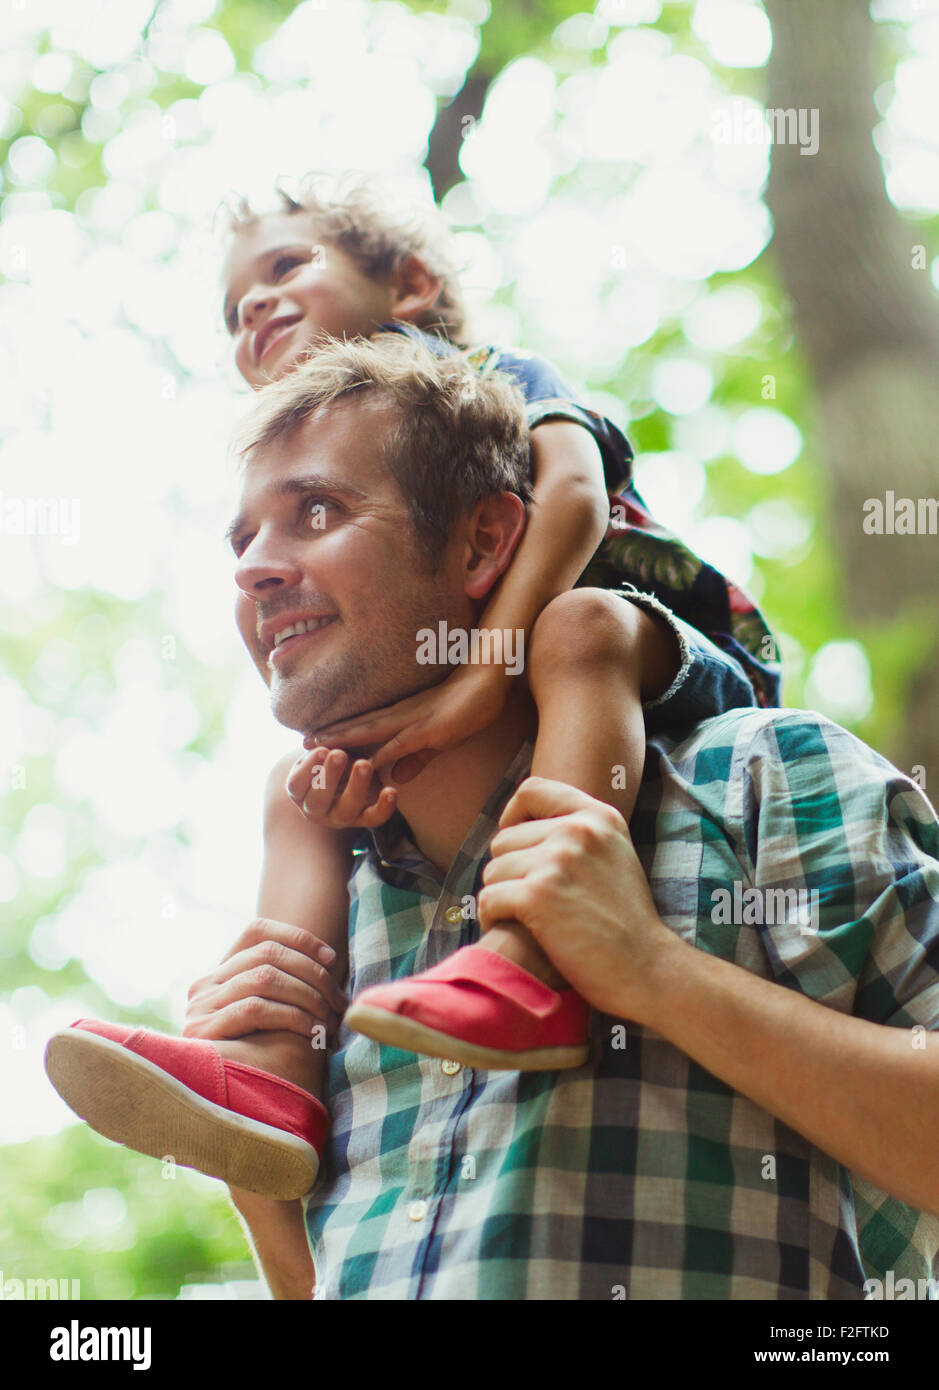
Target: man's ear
point(414, 289)
point(494, 531)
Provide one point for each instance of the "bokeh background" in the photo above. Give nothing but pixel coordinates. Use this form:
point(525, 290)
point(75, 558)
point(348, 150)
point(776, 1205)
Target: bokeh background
point(762, 321)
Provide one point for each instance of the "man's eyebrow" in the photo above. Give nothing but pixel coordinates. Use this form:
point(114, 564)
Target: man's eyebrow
point(301, 487)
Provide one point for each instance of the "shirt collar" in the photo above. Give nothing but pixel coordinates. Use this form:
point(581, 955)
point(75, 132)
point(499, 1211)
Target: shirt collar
point(394, 841)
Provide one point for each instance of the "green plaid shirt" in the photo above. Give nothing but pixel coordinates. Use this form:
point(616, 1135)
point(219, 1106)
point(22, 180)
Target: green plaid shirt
point(640, 1175)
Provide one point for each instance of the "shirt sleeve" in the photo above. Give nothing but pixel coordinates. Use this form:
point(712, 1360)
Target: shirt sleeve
point(824, 814)
point(548, 397)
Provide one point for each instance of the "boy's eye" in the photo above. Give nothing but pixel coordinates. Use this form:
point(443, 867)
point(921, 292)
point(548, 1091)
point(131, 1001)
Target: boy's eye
point(283, 264)
point(281, 267)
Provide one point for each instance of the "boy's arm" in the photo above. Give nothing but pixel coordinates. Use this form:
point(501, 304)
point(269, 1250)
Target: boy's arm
point(566, 522)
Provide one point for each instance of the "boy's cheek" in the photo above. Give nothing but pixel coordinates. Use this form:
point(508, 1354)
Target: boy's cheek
point(246, 618)
point(244, 362)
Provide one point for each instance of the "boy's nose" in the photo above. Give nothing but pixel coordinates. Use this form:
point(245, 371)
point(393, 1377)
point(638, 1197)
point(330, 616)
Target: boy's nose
point(256, 308)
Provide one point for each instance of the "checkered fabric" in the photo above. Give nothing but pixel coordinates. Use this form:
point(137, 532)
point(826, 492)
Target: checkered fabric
point(640, 1175)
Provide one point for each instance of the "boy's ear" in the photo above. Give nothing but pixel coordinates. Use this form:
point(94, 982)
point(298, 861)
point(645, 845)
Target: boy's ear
point(493, 534)
point(415, 289)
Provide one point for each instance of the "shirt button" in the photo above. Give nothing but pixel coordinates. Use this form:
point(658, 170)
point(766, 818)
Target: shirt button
point(450, 1067)
point(454, 914)
point(417, 1211)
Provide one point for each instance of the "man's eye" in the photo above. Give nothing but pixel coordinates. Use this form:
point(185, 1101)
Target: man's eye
point(314, 512)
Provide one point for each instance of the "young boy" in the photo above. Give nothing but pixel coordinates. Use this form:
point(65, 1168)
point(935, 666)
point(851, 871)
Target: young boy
point(244, 1106)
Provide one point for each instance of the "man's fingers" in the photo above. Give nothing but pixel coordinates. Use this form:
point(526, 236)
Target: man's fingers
point(276, 986)
point(507, 901)
point(521, 836)
point(270, 929)
point(270, 957)
point(510, 866)
point(263, 930)
point(538, 798)
point(254, 1015)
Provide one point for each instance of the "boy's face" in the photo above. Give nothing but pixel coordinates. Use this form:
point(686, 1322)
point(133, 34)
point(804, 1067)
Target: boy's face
point(284, 292)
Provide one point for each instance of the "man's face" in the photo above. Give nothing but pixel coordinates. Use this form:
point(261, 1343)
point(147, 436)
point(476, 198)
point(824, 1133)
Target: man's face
point(284, 292)
point(323, 538)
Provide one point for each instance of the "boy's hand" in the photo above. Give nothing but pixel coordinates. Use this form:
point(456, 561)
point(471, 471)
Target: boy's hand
point(415, 730)
point(332, 794)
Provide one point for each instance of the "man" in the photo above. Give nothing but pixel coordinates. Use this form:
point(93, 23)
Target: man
point(763, 954)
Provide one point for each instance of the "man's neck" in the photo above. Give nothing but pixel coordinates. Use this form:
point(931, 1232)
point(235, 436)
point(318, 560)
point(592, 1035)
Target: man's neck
point(442, 803)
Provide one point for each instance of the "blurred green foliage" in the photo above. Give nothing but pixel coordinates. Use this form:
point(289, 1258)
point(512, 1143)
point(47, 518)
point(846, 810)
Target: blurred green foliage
point(123, 1225)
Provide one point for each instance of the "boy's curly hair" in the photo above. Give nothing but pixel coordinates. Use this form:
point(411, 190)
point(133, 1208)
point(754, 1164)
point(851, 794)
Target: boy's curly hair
point(353, 216)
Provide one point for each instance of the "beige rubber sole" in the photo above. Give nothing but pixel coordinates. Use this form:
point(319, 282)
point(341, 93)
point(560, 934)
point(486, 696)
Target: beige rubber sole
point(136, 1103)
point(395, 1031)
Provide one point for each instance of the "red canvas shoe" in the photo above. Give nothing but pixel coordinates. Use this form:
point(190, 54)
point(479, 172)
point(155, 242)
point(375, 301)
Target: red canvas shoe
point(479, 1009)
point(179, 1098)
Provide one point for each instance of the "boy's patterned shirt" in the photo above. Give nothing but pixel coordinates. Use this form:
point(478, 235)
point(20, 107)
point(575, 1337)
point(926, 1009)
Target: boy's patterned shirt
point(641, 1175)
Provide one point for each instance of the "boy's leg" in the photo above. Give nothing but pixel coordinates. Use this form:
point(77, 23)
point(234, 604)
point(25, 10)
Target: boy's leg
point(283, 1054)
point(304, 882)
point(592, 659)
point(238, 1097)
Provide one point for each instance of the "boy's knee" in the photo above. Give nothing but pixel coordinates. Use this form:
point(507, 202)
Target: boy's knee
point(583, 629)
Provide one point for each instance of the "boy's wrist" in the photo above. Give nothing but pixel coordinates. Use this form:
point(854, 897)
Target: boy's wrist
point(492, 676)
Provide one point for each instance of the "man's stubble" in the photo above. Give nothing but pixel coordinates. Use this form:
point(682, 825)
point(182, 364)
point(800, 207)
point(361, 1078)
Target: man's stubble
point(377, 670)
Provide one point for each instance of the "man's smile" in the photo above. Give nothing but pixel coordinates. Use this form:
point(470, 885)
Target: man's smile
point(285, 631)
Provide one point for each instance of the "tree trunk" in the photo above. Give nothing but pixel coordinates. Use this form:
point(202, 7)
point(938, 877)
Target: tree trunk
point(867, 320)
point(451, 125)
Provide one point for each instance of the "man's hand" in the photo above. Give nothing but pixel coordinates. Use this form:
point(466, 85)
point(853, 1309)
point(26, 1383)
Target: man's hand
point(564, 866)
point(415, 730)
point(274, 978)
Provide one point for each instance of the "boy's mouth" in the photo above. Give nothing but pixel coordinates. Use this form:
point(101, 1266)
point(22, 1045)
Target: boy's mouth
point(272, 332)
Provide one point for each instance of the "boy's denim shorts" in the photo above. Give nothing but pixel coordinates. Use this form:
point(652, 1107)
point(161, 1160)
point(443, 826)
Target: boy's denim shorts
point(708, 681)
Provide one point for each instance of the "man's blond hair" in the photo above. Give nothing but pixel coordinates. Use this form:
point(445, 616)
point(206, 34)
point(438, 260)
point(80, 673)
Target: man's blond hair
point(353, 216)
point(457, 437)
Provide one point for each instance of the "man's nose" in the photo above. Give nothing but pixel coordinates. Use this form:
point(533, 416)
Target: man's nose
point(264, 570)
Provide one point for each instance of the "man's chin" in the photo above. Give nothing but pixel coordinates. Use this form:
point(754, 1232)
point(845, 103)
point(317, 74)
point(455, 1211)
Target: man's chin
point(295, 709)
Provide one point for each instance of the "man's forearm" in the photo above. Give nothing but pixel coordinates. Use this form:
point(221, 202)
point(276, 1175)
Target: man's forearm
point(278, 1238)
point(859, 1091)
